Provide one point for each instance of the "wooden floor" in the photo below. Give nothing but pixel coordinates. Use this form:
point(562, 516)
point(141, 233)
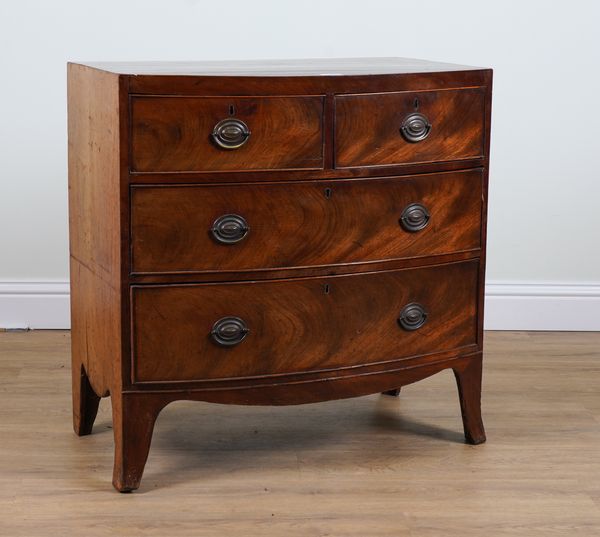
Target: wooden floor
point(373, 466)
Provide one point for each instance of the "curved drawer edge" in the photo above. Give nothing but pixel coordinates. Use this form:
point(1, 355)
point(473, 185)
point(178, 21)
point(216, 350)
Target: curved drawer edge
point(325, 388)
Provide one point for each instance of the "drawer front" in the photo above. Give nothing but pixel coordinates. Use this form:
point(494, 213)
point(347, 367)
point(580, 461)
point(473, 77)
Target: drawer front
point(302, 325)
point(187, 134)
point(298, 224)
point(409, 127)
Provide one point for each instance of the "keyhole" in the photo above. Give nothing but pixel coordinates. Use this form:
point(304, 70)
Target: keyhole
point(231, 110)
point(328, 193)
point(326, 288)
point(416, 103)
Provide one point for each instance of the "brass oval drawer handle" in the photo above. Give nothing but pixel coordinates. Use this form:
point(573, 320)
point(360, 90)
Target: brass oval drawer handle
point(230, 133)
point(229, 228)
point(412, 317)
point(414, 217)
point(415, 127)
point(229, 331)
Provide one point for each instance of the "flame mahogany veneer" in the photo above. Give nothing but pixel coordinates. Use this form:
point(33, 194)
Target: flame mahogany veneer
point(273, 233)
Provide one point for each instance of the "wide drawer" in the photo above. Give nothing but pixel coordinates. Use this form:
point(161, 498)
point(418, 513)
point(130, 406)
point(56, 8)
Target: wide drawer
point(285, 225)
point(409, 127)
point(187, 134)
point(253, 329)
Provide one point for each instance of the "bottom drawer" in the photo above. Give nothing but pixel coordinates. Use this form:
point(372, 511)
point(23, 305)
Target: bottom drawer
point(254, 329)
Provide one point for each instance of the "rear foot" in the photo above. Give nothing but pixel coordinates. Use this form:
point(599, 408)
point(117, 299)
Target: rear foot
point(85, 402)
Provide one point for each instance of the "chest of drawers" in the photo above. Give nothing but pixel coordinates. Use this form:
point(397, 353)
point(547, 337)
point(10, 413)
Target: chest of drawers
point(273, 233)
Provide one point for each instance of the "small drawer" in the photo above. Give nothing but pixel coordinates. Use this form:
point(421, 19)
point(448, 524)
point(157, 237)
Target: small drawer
point(202, 228)
point(255, 329)
point(196, 134)
point(387, 129)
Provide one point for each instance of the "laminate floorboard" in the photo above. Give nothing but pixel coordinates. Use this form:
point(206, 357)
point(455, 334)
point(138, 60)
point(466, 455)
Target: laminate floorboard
point(372, 466)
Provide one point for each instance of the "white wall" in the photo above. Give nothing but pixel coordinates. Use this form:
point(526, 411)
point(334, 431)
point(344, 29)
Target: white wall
point(544, 225)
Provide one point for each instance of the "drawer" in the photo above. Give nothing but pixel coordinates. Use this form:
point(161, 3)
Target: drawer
point(253, 329)
point(285, 225)
point(195, 134)
point(384, 129)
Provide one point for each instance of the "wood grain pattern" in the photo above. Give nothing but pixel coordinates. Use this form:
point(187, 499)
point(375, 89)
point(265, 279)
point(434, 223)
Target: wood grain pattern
point(300, 325)
point(303, 224)
point(367, 127)
point(295, 388)
point(94, 231)
point(372, 465)
point(468, 379)
point(172, 134)
point(275, 176)
point(133, 423)
point(317, 302)
point(98, 239)
point(85, 402)
point(206, 84)
point(484, 210)
point(285, 273)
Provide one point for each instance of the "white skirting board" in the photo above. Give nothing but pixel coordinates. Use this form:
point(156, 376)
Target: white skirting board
point(509, 305)
point(542, 306)
point(34, 304)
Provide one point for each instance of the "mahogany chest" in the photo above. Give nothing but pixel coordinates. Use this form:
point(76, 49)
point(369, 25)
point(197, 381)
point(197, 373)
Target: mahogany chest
point(273, 233)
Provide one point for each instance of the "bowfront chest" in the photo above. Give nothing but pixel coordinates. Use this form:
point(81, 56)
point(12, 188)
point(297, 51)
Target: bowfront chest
point(273, 233)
